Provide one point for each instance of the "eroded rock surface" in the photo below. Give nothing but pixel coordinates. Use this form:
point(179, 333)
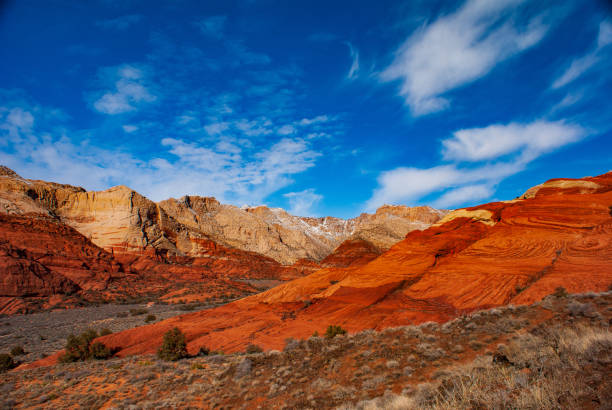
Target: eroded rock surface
point(494, 254)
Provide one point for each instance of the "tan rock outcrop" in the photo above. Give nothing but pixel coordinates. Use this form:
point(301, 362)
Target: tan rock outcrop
point(288, 238)
point(121, 220)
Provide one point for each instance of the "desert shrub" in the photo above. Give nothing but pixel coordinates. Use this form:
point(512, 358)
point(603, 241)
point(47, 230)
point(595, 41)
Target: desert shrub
point(557, 376)
point(253, 349)
point(174, 346)
point(6, 362)
point(122, 314)
point(17, 351)
point(560, 292)
point(99, 351)
point(79, 348)
point(291, 344)
point(187, 308)
point(204, 351)
point(150, 318)
point(139, 311)
point(105, 332)
point(581, 309)
point(333, 331)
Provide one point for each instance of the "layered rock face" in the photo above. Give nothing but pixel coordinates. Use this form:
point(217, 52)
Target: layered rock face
point(166, 245)
point(287, 238)
point(41, 257)
point(122, 221)
point(513, 252)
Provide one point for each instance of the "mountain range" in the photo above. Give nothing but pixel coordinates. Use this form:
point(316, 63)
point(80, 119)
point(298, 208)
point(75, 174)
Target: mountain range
point(62, 245)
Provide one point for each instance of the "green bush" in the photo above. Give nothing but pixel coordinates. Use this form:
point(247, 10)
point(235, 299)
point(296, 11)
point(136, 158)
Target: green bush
point(105, 332)
point(174, 346)
point(150, 318)
point(99, 351)
point(79, 348)
point(253, 349)
point(333, 331)
point(17, 351)
point(6, 362)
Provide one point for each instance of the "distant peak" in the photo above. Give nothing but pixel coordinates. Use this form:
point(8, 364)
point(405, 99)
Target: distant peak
point(7, 172)
point(120, 188)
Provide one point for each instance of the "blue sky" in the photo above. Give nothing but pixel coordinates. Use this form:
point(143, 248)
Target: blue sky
point(319, 107)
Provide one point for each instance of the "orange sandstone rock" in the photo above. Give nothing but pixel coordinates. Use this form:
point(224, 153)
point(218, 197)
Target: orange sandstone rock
point(499, 253)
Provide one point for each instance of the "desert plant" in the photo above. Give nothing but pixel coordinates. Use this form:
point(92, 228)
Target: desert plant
point(253, 349)
point(122, 314)
point(333, 331)
point(560, 292)
point(79, 348)
point(137, 312)
point(6, 362)
point(105, 332)
point(150, 318)
point(204, 351)
point(174, 346)
point(17, 351)
point(99, 351)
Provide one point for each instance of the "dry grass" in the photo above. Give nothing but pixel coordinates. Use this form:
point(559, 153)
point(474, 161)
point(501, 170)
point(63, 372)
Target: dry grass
point(552, 356)
point(558, 369)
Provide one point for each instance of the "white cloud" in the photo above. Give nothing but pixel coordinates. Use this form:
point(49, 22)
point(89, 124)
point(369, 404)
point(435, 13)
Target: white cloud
point(129, 91)
point(605, 34)
point(17, 122)
point(533, 139)
point(302, 202)
point(465, 194)
point(316, 120)
point(567, 101)
point(518, 143)
point(577, 67)
point(180, 167)
point(581, 65)
point(130, 128)
point(216, 128)
point(286, 129)
point(457, 49)
point(354, 70)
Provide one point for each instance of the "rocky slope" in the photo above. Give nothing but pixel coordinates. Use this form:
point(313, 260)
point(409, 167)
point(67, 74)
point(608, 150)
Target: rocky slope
point(174, 250)
point(555, 354)
point(512, 252)
point(287, 238)
point(122, 221)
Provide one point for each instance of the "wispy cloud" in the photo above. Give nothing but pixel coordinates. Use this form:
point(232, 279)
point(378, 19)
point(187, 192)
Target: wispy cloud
point(302, 203)
point(119, 23)
point(582, 64)
point(129, 128)
point(129, 90)
point(512, 146)
point(226, 169)
point(457, 49)
point(494, 141)
point(354, 70)
point(212, 26)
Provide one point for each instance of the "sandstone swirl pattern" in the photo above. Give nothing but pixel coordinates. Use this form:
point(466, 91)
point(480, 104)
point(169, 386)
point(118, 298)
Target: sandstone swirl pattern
point(512, 252)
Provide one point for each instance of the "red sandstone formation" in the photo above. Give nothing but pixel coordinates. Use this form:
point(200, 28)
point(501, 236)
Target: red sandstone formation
point(191, 249)
point(513, 252)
